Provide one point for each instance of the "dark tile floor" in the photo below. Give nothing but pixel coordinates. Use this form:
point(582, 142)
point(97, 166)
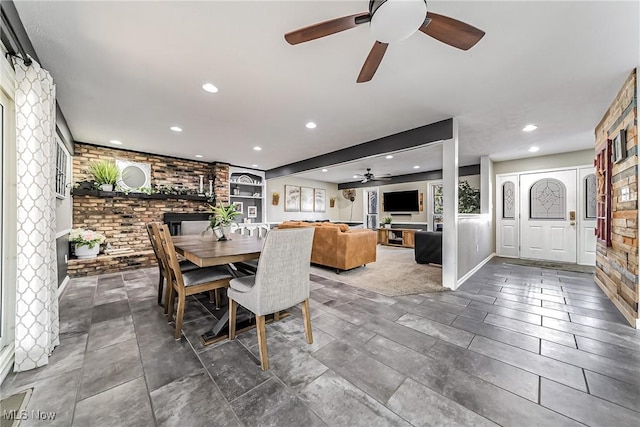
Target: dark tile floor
point(514, 345)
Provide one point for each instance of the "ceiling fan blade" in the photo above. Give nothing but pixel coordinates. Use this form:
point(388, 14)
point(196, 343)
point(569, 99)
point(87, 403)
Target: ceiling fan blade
point(372, 62)
point(451, 31)
point(326, 28)
point(364, 181)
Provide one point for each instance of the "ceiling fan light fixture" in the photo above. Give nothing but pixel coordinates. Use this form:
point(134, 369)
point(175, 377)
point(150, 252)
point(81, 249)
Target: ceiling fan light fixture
point(395, 20)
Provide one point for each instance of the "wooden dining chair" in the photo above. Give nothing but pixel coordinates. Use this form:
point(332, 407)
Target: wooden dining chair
point(184, 284)
point(162, 270)
point(281, 282)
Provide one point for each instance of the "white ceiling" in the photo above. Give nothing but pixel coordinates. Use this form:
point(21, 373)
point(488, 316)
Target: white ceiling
point(129, 70)
point(427, 158)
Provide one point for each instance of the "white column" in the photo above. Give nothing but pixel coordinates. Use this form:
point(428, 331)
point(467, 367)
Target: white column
point(486, 187)
point(450, 210)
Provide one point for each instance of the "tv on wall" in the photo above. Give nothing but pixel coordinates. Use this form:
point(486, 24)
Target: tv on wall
point(401, 201)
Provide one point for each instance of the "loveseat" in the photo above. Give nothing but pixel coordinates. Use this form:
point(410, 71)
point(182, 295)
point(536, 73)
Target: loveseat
point(337, 246)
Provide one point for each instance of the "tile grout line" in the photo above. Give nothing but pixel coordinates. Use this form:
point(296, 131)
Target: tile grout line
point(144, 375)
point(84, 358)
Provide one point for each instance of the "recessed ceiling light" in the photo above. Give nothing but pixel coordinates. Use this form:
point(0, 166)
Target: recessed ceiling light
point(257, 148)
point(529, 128)
point(199, 156)
point(310, 125)
point(210, 88)
point(176, 128)
point(533, 149)
point(116, 142)
point(389, 156)
point(416, 167)
point(325, 170)
point(254, 166)
point(355, 176)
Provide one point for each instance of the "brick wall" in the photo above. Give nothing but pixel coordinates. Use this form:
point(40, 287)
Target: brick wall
point(617, 265)
point(121, 219)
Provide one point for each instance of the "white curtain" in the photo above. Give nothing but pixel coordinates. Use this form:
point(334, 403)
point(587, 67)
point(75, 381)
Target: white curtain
point(37, 323)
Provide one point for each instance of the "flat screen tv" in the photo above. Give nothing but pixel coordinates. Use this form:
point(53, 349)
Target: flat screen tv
point(401, 201)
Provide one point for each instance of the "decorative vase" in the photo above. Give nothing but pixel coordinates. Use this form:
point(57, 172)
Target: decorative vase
point(226, 229)
point(85, 252)
point(387, 225)
point(106, 187)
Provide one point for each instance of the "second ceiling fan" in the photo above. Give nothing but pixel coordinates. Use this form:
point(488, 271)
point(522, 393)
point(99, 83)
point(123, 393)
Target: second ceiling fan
point(368, 177)
point(391, 21)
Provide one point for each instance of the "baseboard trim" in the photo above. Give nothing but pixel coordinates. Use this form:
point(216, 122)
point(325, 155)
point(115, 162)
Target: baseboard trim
point(62, 286)
point(6, 361)
point(474, 270)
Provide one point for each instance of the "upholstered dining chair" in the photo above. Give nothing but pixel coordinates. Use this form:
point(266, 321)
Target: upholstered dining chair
point(187, 283)
point(281, 282)
point(162, 270)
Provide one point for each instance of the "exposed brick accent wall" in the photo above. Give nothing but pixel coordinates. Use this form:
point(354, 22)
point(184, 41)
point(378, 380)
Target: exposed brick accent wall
point(166, 171)
point(617, 265)
point(121, 219)
point(109, 264)
point(221, 190)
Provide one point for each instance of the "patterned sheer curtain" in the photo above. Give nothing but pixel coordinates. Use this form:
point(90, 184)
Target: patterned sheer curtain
point(37, 324)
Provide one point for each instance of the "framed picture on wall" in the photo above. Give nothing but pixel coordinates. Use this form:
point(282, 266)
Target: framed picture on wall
point(306, 199)
point(291, 198)
point(619, 146)
point(252, 211)
point(320, 204)
point(238, 206)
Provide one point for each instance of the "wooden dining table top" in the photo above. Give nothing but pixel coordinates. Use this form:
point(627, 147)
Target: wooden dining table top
point(206, 251)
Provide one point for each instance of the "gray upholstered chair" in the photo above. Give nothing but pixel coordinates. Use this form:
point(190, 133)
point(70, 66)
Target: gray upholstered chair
point(189, 283)
point(162, 270)
point(281, 282)
point(188, 228)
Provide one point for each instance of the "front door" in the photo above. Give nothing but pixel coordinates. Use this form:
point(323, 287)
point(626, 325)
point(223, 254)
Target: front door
point(548, 216)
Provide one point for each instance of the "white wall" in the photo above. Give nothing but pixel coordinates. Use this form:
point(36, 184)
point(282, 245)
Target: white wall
point(276, 214)
point(574, 158)
point(475, 241)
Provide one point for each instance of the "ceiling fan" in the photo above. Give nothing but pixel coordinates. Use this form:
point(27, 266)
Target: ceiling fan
point(368, 177)
point(392, 21)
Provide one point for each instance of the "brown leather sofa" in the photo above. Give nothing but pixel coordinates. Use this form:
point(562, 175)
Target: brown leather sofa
point(335, 245)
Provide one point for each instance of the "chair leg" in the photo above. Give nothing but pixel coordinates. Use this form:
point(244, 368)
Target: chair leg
point(168, 307)
point(262, 342)
point(211, 296)
point(306, 316)
point(180, 315)
point(160, 286)
point(233, 306)
point(168, 298)
point(276, 316)
point(218, 296)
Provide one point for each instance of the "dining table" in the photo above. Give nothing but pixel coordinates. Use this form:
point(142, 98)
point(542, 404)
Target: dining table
point(208, 251)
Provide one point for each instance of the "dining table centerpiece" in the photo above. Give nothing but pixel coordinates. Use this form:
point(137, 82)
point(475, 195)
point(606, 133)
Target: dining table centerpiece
point(223, 216)
point(86, 243)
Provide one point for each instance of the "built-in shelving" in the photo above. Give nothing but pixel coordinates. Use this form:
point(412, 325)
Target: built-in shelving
point(247, 187)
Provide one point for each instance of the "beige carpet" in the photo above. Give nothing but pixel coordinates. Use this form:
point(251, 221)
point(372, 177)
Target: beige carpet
point(394, 273)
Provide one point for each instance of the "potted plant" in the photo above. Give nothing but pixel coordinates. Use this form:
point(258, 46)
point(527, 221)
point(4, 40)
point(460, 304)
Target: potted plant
point(86, 242)
point(105, 173)
point(223, 216)
point(386, 221)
